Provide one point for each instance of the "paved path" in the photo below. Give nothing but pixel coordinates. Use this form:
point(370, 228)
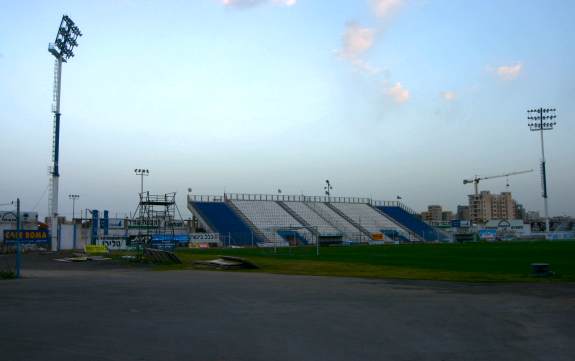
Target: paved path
point(87, 312)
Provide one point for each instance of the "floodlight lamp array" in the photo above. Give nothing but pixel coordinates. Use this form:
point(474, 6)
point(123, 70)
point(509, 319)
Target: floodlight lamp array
point(66, 39)
point(141, 171)
point(541, 119)
point(541, 110)
point(327, 187)
point(542, 126)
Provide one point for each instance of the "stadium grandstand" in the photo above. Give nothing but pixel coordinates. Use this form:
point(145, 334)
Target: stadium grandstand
point(281, 220)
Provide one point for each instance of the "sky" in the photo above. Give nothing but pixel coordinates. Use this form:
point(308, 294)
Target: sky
point(384, 98)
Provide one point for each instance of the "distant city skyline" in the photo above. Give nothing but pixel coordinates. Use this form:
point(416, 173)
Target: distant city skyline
point(384, 98)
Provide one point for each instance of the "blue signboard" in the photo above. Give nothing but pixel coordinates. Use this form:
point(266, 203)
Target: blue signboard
point(26, 236)
point(163, 244)
point(458, 223)
point(487, 233)
point(180, 238)
point(169, 241)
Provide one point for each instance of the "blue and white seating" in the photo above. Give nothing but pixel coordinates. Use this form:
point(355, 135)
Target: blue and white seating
point(324, 228)
point(349, 231)
point(221, 219)
point(415, 225)
point(269, 217)
point(369, 218)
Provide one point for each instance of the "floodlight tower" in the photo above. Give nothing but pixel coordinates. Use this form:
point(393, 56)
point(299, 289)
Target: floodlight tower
point(142, 173)
point(73, 197)
point(328, 187)
point(538, 116)
point(62, 48)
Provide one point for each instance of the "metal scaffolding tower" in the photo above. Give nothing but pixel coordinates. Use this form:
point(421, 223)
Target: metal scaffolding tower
point(155, 217)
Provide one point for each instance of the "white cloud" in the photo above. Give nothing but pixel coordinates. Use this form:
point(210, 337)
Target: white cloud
point(384, 8)
point(357, 40)
point(398, 93)
point(251, 3)
point(449, 96)
point(364, 66)
point(509, 72)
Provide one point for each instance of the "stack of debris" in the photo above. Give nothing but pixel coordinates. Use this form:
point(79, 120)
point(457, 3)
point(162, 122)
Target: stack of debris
point(227, 263)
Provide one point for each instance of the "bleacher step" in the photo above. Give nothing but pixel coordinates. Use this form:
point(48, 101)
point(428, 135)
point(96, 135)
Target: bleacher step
point(298, 218)
point(349, 220)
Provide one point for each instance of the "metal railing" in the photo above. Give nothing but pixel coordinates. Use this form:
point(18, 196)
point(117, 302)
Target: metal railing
point(204, 198)
point(275, 198)
point(394, 204)
point(299, 236)
point(296, 198)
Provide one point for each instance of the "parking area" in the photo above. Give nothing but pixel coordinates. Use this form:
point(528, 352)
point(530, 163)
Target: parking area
point(108, 311)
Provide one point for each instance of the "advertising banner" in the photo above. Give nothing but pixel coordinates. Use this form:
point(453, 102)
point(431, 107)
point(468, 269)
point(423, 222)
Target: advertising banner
point(488, 234)
point(169, 241)
point(457, 223)
point(118, 244)
point(204, 237)
point(162, 243)
point(26, 236)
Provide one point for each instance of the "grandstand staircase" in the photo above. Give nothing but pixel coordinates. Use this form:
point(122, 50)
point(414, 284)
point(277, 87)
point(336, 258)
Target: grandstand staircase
point(412, 235)
point(259, 234)
point(354, 223)
point(298, 218)
point(334, 222)
point(209, 227)
point(418, 229)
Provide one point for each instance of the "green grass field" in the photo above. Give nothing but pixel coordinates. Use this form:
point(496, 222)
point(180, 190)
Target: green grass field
point(472, 262)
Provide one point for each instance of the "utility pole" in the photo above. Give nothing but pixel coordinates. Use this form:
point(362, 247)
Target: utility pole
point(316, 241)
point(73, 197)
point(66, 40)
point(537, 118)
point(18, 260)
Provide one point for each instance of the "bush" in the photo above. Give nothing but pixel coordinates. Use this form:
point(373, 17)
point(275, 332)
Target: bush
point(6, 275)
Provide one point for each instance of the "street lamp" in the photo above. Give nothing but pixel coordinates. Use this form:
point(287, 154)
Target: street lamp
point(541, 120)
point(73, 197)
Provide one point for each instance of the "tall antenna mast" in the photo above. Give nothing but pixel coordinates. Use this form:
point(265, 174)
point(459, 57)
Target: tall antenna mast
point(62, 48)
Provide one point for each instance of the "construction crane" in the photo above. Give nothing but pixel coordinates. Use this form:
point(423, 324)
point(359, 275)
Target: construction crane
point(476, 180)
